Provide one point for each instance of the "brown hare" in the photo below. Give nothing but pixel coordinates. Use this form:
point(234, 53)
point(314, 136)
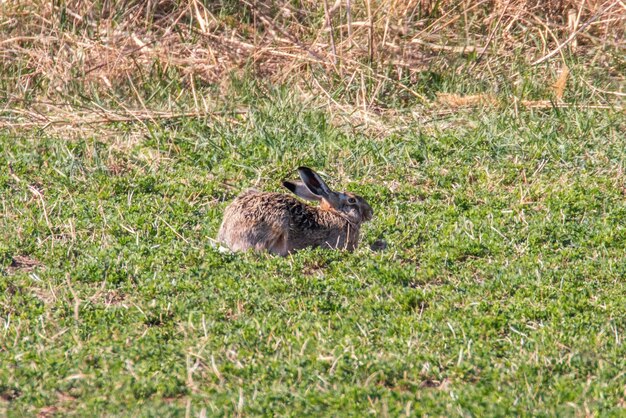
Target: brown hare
point(283, 224)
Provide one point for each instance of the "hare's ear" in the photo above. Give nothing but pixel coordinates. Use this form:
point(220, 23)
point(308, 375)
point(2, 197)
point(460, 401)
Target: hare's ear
point(314, 182)
point(299, 189)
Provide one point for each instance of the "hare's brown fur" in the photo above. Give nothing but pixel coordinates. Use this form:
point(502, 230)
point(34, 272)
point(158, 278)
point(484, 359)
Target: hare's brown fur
point(283, 224)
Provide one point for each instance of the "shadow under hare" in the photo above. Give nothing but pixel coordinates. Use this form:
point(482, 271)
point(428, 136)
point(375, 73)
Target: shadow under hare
point(282, 224)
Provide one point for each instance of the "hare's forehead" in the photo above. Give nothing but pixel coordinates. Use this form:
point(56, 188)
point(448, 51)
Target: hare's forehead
point(348, 195)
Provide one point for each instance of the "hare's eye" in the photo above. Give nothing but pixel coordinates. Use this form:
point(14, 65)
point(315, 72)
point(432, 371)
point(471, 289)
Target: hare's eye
point(352, 200)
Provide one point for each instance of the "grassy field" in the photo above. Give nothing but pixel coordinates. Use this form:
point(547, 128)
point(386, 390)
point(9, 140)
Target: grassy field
point(501, 291)
point(501, 197)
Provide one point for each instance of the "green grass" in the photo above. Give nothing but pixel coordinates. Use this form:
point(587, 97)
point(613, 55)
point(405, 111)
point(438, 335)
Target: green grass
point(501, 292)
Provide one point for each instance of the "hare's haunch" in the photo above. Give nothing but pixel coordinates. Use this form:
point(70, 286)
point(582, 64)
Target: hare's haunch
point(282, 224)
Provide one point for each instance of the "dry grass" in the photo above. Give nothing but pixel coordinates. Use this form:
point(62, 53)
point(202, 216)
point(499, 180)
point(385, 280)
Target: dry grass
point(350, 53)
point(560, 83)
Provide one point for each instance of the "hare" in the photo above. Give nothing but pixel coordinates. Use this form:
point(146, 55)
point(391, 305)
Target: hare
point(283, 224)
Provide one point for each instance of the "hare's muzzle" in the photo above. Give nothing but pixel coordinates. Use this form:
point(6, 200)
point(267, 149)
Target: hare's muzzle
point(368, 212)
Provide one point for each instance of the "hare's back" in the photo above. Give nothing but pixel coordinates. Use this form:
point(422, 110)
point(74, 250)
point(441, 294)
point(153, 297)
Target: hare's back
point(258, 220)
point(263, 206)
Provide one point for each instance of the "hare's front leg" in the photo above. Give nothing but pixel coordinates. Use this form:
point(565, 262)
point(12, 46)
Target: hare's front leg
point(279, 246)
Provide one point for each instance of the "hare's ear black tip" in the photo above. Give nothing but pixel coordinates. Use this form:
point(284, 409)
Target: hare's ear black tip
point(289, 185)
point(305, 169)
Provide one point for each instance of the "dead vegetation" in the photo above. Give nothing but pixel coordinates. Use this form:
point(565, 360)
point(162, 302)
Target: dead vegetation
point(353, 54)
point(23, 263)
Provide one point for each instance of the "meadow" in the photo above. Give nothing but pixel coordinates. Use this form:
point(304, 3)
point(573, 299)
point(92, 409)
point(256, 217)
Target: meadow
point(497, 184)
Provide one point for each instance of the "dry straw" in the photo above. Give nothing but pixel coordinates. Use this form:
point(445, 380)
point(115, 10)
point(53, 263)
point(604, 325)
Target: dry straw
point(360, 48)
